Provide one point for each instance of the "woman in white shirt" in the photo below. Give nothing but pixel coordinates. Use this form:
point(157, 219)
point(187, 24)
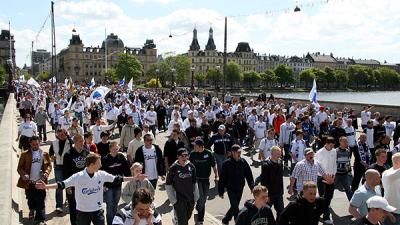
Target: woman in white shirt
point(26, 130)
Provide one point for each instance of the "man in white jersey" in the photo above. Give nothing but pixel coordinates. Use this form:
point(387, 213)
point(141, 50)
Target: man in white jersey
point(88, 185)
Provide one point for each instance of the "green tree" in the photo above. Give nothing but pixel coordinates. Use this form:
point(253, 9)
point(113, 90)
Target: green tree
point(153, 83)
point(268, 77)
point(43, 76)
point(307, 76)
point(162, 71)
point(2, 75)
point(129, 67)
point(341, 77)
point(182, 65)
point(214, 76)
point(27, 76)
point(387, 77)
point(233, 73)
point(200, 78)
point(284, 74)
point(110, 76)
point(250, 78)
point(330, 76)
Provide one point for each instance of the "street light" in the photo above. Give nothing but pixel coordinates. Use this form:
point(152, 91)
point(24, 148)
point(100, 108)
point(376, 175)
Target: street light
point(192, 86)
point(218, 67)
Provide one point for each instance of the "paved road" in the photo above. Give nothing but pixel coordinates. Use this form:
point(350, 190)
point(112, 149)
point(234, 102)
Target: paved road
point(216, 207)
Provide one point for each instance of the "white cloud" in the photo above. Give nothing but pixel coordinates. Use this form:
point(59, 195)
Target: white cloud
point(359, 28)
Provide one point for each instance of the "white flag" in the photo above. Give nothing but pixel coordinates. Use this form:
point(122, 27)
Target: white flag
point(313, 94)
point(92, 83)
point(53, 80)
point(33, 82)
point(66, 82)
point(99, 94)
point(130, 84)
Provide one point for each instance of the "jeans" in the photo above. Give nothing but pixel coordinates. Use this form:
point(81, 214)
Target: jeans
point(204, 186)
point(183, 211)
point(359, 171)
point(42, 132)
point(36, 199)
point(111, 197)
point(84, 218)
point(344, 180)
point(72, 205)
point(388, 222)
point(154, 183)
point(234, 200)
point(58, 174)
point(153, 129)
point(219, 158)
point(325, 191)
point(277, 202)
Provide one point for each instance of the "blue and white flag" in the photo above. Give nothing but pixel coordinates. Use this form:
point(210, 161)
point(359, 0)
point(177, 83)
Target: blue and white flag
point(313, 94)
point(33, 82)
point(99, 94)
point(122, 82)
point(92, 83)
point(53, 80)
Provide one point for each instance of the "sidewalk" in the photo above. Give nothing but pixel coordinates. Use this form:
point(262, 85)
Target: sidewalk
point(53, 218)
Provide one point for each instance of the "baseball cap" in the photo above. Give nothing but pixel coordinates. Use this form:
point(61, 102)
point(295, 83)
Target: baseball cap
point(199, 142)
point(235, 147)
point(379, 202)
point(221, 127)
point(181, 151)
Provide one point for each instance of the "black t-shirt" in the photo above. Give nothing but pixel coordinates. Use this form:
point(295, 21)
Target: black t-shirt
point(380, 169)
point(203, 161)
point(103, 149)
point(364, 221)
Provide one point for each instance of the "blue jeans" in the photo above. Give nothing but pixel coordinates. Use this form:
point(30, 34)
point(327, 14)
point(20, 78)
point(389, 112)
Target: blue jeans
point(204, 186)
point(58, 174)
point(219, 158)
point(344, 180)
point(111, 197)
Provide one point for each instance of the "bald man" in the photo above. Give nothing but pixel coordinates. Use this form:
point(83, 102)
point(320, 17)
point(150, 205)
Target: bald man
point(358, 203)
point(391, 183)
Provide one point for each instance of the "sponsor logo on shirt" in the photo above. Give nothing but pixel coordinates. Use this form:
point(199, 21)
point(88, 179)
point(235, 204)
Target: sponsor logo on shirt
point(90, 191)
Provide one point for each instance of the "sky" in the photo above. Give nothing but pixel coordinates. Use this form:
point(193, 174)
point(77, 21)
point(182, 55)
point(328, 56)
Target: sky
point(366, 29)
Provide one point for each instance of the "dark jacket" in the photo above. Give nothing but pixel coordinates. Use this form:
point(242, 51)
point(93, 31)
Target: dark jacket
point(139, 157)
point(74, 162)
point(241, 128)
point(272, 177)
point(171, 149)
point(117, 165)
point(302, 212)
point(233, 175)
point(222, 144)
point(250, 214)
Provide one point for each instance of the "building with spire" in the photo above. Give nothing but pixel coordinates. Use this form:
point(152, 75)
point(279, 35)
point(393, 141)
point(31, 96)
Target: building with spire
point(5, 42)
point(81, 63)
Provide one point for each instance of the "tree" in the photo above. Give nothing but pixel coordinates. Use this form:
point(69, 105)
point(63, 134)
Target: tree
point(2, 74)
point(182, 65)
point(320, 76)
point(233, 73)
point(200, 78)
point(284, 74)
point(110, 76)
point(250, 78)
point(214, 76)
point(358, 74)
point(388, 77)
point(341, 77)
point(268, 76)
point(330, 75)
point(43, 76)
point(307, 76)
point(153, 83)
point(129, 67)
point(162, 71)
point(27, 76)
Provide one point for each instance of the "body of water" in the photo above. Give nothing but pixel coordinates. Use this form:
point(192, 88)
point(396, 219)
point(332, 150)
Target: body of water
point(377, 97)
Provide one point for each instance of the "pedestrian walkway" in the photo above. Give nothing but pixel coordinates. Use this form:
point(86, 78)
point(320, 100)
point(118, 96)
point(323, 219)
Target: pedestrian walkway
point(54, 218)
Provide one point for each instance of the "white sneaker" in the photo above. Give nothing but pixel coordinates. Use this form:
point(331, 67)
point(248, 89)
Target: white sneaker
point(329, 221)
point(59, 210)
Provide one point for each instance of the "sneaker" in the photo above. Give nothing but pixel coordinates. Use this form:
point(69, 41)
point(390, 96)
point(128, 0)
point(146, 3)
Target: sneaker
point(328, 221)
point(59, 210)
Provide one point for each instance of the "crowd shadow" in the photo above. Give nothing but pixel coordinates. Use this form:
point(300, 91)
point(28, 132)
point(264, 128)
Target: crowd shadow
point(164, 208)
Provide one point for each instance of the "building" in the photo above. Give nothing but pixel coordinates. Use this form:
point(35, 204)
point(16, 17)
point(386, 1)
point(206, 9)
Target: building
point(82, 63)
point(299, 64)
point(321, 61)
point(5, 37)
point(39, 56)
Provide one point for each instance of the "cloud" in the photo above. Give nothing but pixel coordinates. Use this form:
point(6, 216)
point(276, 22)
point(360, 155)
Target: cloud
point(164, 2)
point(347, 28)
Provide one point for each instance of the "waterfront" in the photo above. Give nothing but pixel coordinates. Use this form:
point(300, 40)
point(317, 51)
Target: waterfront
point(378, 97)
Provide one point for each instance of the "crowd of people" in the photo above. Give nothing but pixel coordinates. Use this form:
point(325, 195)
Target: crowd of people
point(317, 146)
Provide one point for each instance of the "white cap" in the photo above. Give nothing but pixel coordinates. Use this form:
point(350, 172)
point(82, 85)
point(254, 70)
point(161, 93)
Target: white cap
point(379, 202)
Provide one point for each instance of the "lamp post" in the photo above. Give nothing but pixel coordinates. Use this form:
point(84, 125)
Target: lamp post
point(217, 67)
point(172, 76)
point(192, 86)
point(158, 76)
